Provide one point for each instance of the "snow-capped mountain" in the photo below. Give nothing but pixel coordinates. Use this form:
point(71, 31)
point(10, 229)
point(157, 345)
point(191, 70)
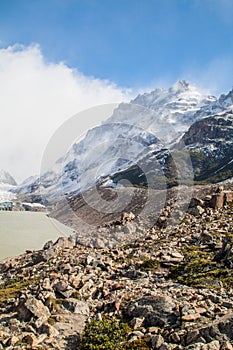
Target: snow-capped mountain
point(6, 178)
point(7, 186)
point(167, 113)
point(134, 138)
point(30, 185)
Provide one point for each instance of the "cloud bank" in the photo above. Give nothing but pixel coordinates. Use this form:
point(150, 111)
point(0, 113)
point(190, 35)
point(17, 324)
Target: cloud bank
point(36, 97)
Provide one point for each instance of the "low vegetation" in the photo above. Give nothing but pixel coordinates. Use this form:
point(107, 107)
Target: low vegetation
point(199, 269)
point(11, 289)
point(104, 334)
point(110, 334)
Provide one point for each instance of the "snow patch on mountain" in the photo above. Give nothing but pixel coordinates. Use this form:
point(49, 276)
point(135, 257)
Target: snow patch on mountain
point(165, 112)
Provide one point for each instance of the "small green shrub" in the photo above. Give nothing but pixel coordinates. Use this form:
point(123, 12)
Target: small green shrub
point(148, 264)
point(107, 334)
point(139, 344)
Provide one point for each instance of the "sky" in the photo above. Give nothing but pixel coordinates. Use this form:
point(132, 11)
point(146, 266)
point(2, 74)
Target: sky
point(59, 57)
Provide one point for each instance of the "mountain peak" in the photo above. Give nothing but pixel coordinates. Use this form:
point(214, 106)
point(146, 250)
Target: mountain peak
point(226, 99)
point(181, 85)
point(162, 95)
point(6, 178)
point(182, 100)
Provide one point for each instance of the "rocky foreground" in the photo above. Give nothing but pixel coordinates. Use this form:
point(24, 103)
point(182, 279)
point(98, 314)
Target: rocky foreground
point(173, 288)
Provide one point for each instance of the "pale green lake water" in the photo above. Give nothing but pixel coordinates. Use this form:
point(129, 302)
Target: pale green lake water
point(27, 230)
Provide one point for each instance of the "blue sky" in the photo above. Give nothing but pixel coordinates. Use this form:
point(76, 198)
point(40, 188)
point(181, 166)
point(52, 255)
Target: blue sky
point(133, 43)
point(60, 57)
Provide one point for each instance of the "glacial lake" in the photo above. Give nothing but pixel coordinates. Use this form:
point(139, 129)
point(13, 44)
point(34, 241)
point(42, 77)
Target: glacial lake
point(21, 230)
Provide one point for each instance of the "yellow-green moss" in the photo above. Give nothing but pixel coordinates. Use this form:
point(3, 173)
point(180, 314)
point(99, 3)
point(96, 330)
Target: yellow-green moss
point(148, 265)
point(51, 321)
point(10, 289)
point(200, 270)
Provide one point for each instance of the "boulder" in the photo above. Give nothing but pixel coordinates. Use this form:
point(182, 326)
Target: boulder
point(157, 311)
point(228, 197)
point(65, 242)
point(76, 306)
point(196, 211)
point(33, 308)
point(70, 324)
point(157, 341)
point(218, 200)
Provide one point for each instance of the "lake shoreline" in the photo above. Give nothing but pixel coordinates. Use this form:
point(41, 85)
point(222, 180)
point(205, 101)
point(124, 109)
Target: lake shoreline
point(26, 230)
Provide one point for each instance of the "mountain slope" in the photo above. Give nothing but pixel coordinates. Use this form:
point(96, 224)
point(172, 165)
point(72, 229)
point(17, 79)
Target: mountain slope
point(210, 143)
point(142, 138)
point(204, 154)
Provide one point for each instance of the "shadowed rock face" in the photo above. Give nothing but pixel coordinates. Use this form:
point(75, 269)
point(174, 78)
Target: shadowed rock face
point(210, 129)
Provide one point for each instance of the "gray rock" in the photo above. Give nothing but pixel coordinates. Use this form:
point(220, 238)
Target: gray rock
point(157, 341)
point(70, 324)
point(157, 311)
point(31, 307)
point(48, 245)
point(65, 242)
point(60, 286)
point(76, 306)
point(137, 322)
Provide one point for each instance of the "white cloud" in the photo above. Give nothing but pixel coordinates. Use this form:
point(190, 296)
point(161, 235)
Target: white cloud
point(215, 77)
point(36, 97)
